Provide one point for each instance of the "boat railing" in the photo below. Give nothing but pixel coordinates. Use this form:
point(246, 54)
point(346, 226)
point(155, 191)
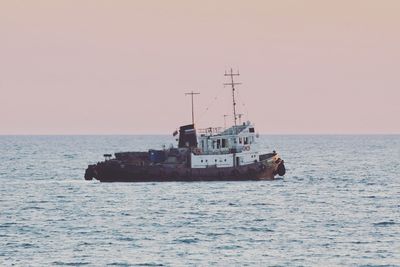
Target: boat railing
point(211, 130)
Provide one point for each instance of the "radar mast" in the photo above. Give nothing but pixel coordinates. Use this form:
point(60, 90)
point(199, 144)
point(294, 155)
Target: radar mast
point(232, 83)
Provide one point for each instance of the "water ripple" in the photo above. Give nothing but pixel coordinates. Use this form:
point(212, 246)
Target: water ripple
point(337, 206)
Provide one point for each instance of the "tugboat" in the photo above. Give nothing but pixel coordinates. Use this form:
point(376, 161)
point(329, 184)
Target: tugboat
point(213, 155)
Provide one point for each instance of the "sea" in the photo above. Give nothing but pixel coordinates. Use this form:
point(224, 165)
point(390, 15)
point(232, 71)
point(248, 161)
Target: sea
point(337, 205)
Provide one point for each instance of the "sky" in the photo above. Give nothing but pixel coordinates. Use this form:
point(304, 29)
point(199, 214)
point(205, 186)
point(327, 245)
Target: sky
point(123, 67)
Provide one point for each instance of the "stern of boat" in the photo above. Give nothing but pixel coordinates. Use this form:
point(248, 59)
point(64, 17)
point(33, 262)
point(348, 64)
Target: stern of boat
point(274, 164)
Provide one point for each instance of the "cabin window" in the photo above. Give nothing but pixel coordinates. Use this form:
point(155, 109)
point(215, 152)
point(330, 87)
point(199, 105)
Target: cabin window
point(251, 130)
point(201, 161)
point(240, 140)
point(223, 143)
point(218, 143)
point(245, 140)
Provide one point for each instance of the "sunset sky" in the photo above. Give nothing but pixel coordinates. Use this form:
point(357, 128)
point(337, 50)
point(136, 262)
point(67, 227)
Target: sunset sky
point(123, 67)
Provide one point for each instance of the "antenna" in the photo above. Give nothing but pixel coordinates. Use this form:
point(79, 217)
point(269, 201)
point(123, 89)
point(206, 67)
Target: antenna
point(192, 94)
point(232, 83)
point(225, 121)
point(240, 118)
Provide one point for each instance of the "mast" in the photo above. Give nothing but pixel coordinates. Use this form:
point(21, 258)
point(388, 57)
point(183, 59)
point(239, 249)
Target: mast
point(232, 83)
point(192, 94)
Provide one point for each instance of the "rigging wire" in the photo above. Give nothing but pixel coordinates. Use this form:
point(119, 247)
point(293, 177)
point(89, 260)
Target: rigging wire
point(211, 104)
point(243, 104)
point(216, 97)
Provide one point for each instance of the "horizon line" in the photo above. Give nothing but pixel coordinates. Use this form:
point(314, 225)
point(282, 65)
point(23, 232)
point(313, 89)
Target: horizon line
point(165, 134)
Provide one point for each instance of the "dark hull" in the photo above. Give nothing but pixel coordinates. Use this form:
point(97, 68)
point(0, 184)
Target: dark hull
point(117, 171)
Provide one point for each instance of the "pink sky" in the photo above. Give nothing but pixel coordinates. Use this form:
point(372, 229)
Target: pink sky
point(122, 67)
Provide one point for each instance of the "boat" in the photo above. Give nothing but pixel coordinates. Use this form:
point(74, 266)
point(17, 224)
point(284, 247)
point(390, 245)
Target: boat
point(211, 154)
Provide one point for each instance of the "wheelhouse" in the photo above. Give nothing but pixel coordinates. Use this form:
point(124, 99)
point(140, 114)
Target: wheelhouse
point(232, 140)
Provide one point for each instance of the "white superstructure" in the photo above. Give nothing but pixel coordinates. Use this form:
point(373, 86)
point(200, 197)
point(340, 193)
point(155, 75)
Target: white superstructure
point(229, 148)
point(232, 147)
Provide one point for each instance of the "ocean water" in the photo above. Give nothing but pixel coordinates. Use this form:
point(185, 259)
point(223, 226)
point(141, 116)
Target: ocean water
point(338, 205)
